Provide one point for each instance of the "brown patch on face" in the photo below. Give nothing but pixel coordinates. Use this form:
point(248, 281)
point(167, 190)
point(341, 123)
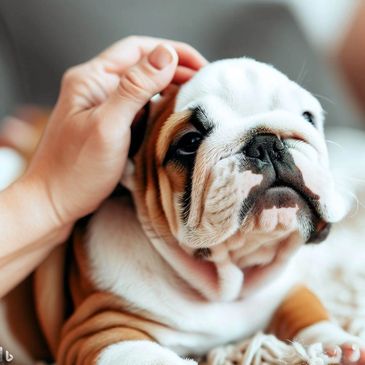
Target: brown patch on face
point(176, 174)
point(157, 184)
point(177, 178)
point(172, 126)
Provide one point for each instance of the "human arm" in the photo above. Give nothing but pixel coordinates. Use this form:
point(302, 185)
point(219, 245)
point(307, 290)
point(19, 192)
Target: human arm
point(83, 150)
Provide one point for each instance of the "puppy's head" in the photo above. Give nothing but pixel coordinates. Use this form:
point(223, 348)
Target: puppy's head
point(237, 157)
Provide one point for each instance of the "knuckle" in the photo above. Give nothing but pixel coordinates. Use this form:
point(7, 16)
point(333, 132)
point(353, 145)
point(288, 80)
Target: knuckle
point(72, 75)
point(136, 84)
point(69, 75)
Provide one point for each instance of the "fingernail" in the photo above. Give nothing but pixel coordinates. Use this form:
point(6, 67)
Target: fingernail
point(161, 56)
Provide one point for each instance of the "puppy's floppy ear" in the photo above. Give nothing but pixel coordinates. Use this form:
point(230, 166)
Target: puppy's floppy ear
point(148, 114)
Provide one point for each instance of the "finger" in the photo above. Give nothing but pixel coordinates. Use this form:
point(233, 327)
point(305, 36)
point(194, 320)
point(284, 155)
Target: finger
point(188, 56)
point(182, 75)
point(171, 89)
point(131, 50)
point(139, 83)
point(90, 84)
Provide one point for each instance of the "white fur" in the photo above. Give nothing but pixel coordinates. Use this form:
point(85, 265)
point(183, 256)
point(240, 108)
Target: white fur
point(239, 95)
point(127, 265)
point(141, 353)
point(197, 307)
point(328, 333)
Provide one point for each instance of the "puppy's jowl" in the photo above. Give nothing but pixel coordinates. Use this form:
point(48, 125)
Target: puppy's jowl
point(232, 178)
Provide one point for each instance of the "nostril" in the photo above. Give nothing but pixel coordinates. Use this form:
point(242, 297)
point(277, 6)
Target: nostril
point(254, 151)
point(261, 152)
point(264, 147)
point(278, 145)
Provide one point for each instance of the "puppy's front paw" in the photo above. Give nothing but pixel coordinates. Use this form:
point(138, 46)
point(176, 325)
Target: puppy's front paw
point(347, 353)
point(339, 345)
point(141, 353)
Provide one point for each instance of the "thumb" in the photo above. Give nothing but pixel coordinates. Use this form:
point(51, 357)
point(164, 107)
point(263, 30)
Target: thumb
point(140, 82)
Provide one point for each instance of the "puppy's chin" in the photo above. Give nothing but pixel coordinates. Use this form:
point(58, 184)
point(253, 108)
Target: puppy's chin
point(283, 209)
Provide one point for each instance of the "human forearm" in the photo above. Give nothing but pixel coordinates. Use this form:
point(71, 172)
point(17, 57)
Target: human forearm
point(16, 271)
point(29, 231)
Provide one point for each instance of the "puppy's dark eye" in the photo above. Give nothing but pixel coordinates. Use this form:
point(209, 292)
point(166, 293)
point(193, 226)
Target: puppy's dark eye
point(309, 117)
point(188, 144)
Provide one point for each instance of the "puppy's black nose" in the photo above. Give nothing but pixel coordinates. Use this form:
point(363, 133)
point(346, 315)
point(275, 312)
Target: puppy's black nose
point(265, 147)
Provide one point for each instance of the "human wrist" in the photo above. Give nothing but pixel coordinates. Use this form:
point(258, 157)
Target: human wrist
point(47, 206)
point(30, 205)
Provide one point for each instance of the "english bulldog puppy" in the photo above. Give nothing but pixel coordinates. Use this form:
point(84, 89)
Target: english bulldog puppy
point(231, 179)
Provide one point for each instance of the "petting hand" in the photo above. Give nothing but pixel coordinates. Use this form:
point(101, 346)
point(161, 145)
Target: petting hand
point(83, 151)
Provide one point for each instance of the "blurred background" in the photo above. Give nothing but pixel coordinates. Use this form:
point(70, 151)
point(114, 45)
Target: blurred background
point(315, 42)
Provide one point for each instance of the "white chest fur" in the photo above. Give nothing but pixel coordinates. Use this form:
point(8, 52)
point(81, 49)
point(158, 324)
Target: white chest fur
point(124, 262)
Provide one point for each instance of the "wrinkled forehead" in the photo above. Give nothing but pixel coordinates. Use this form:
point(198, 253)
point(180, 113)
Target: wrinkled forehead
point(243, 87)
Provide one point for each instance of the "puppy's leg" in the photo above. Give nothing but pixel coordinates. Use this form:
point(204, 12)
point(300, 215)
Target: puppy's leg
point(140, 352)
point(102, 331)
point(303, 318)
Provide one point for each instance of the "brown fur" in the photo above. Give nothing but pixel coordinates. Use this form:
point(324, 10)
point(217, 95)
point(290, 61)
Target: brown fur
point(300, 309)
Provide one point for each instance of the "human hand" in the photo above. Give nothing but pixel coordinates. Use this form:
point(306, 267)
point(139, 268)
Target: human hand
point(83, 151)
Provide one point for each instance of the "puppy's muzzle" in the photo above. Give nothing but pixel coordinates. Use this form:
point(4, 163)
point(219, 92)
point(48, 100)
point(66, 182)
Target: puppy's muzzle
point(267, 154)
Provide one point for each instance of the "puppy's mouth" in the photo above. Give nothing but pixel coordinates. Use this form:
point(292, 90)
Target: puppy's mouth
point(283, 194)
point(289, 194)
